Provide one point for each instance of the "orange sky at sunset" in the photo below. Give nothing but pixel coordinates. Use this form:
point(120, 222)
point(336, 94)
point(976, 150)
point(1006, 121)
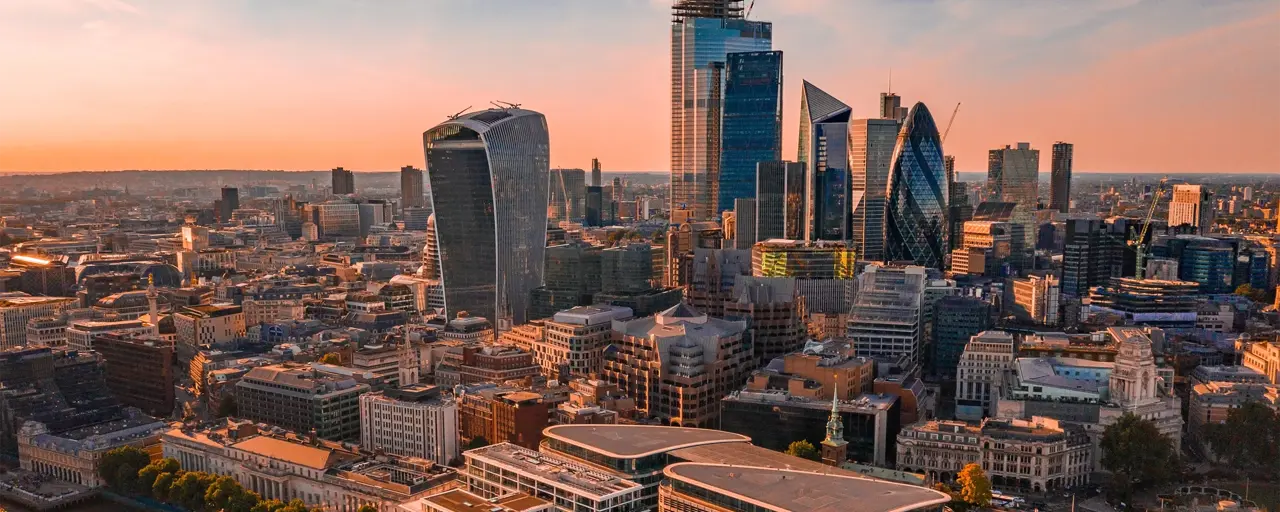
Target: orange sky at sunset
point(1157, 86)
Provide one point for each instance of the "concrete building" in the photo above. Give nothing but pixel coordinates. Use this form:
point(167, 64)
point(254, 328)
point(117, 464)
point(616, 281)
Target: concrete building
point(1013, 175)
point(259, 311)
point(74, 455)
point(287, 466)
point(887, 317)
point(984, 248)
point(139, 371)
point(979, 373)
point(956, 320)
point(1262, 357)
point(502, 415)
point(1035, 299)
point(776, 313)
point(679, 364)
point(1191, 206)
point(411, 189)
point(414, 421)
point(1038, 455)
point(469, 364)
point(200, 327)
point(301, 399)
point(1211, 402)
point(17, 310)
point(573, 340)
point(774, 418)
point(1060, 181)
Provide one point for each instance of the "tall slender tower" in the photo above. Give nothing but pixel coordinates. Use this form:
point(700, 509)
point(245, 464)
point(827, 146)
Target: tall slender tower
point(834, 448)
point(824, 148)
point(1060, 181)
point(751, 131)
point(489, 174)
point(411, 193)
point(343, 181)
point(703, 34)
point(408, 363)
point(153, 317)
point(915, 223)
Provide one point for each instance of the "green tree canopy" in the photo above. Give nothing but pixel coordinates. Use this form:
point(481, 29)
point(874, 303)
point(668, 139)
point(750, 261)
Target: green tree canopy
point(367, 508)
point(188, 490)
point(125, 456)
point(803, 449)
point(975, 487)
point(1137, 452)
point(164, 482)
point(1250, 438)
point(331, 358)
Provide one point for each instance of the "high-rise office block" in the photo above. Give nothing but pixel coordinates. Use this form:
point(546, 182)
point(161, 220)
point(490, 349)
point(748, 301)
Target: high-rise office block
point(413, 421)
point(744, 231)
point(1088, 256)
point(871, 143)
point(751, 130)
point(1035, 299)
point(594, 216)
point(780, 200)
point(139, 371)
point(411, 190)
point(886, 319)
point(1191, 206)
point(344, 181)
point(1060, 184)
point(230, 203)
point(1013, 174)
point(891, 107)
point(489, 174)
point(703, 33)
point(956, 319)
point(824, 148)
point(959, 210)
point(568, 189)
point(596, 179)
point(916, 226)
point(300, 399)
point(571, 278)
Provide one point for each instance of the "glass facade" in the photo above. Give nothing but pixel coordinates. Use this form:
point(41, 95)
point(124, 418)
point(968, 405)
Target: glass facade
point(916, 212)
point(871, 143)
point(751, 130)
point(824, 147)
point(568, 189)
point(489, 172)
point(699, 48)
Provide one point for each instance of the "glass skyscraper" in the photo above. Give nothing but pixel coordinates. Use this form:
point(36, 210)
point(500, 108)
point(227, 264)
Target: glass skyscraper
point(824, 148)
point(780, 196)
point(703, 34)
point(916, 212)
point(751, 131)
point(1014, 176)
point(489, 175)
point(870, 155)
point(1060, 181)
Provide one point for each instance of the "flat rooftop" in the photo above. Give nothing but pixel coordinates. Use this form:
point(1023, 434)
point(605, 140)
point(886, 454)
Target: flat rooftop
point(802, 491)
point(749, 455)
point(633, 441)
point(554, 470)
point(458, 500)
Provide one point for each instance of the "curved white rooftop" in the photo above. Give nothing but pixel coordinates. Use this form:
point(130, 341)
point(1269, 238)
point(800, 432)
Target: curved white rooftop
point(805, 491)
point(634, 441)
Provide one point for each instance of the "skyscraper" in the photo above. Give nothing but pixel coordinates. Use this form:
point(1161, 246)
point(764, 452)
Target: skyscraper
point(751, 131)
point(891, 107)
point(1191, 206)
point(596, 180)
point(411, 194)
point(489, 174)
point(780, 193)
point(824, 148)
point(1060, 186)
point(916, 226)
point(230, 203)
point(344, 181)
point(568, 194)
point(703, 33)
point(1014, 176)
point(870, 156)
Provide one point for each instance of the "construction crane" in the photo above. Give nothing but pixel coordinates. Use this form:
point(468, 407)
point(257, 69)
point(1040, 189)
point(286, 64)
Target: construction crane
point(952, 120)
point(749, 7)
point(1137, 244)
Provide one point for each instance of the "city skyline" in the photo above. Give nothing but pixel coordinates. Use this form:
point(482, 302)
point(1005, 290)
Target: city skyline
point(149, 85)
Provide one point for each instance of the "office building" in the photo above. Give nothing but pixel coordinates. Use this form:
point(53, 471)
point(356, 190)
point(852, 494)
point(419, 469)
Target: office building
point(1060, 179)
point(343, 181)
point(230, 203)
point(139, 371)
point(571, 278)
point(1035, 299)
point(1191, 206)
point(776, 312)
point(293, 465)
point(1037, 454)
point(595, 214)
point(780, 200)
point(824, 148)
point(337, 218)
point(1210, 262)
point(411, 189)
point(774, 418)
point(744, 223)
point(979, 373)
point(1013, 175)
point(1088, 256)
point(568, 195)
point(956, 320)
point(822, 271)
point(413, 421)
point(17, 311)
point(887, 317)
point(984, 249)
point(200, 327)
point(916, 226)
point(703, 34)
point(301, 399)
point(870, 156)
point(502, 415)
point(1168, 304)
point(751, 123)
point(575, 339)
point(702, 360)
point(1212, 402)
point(489, 176)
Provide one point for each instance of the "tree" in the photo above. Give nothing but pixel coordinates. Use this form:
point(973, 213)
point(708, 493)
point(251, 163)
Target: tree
point(188, 490)
point(164, 482)
point(367, 508)
point(332, 358)
point(147, 476)
point(975, 488)
point(803, 449)
point(111, 462)
point(477, 442)
point(228, 406)
point(1135, 450)
point(226, 494)
point(1250, 438)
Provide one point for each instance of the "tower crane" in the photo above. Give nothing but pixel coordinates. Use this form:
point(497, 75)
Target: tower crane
point(949, 121)
point(1137, 244)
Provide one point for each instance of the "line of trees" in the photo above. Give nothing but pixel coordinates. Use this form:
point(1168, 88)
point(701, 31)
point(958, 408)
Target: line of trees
point(1249, 439)
point(130, 471)
point(1138, 455)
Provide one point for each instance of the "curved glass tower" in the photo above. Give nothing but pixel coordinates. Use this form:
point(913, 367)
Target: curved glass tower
point(915, 216)
point(489, 172)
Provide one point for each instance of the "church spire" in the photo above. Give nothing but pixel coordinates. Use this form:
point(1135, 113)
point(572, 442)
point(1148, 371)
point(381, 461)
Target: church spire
point(834, 448)
point(835, 427)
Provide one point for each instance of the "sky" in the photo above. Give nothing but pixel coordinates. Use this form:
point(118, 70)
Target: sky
point(1137, 85)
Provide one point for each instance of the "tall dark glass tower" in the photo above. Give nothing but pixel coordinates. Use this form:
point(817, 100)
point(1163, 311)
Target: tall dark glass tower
point(1060, 179)
point(489, 173)
point(411, 191)
point(780, 195)
point(824, 148)
point(230, 203)
point(751, 128)
point(916, 214)
point(344, 181)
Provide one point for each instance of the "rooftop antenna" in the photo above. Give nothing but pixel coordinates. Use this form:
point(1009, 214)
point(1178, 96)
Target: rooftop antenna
point(460, 112)
point(508, 104)
point(890, 91)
